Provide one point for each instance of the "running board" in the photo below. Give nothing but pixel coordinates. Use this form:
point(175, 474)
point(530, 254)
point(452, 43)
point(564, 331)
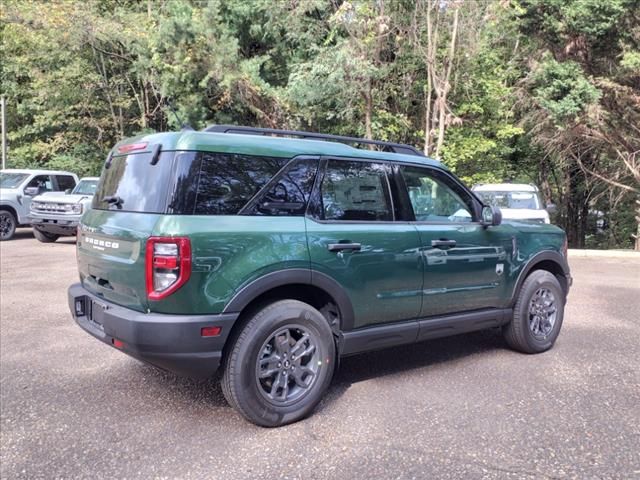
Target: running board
point(412, 331)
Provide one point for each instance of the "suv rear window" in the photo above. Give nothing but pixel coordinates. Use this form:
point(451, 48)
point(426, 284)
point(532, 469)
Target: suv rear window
point(132, 184)
point(198, 183)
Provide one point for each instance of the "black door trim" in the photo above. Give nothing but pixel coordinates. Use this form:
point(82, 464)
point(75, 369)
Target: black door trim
point(412, 331)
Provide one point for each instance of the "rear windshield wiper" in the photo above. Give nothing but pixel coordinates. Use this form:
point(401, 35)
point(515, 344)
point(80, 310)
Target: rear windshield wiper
point(114, 200)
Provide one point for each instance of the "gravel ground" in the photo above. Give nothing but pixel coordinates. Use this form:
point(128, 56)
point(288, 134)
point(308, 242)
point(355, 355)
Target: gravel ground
point(462, 407)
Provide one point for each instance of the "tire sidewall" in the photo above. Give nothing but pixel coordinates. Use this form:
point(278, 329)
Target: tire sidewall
point(14, 222)
point(535, 282)
point(44, 237)
point(248, 396)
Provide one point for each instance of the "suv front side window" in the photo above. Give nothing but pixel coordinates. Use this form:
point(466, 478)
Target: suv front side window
point(433, 200)
point(356, 191)
point(42, 182)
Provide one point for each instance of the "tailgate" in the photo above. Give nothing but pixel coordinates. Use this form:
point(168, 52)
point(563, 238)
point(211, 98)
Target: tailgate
point(111, 255)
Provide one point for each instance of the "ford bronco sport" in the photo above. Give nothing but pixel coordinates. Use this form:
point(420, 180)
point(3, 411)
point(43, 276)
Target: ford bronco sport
point(270, 254)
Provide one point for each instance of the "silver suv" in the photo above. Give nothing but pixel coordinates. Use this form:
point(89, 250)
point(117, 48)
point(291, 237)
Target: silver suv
point(18, 187)
point(54, 214)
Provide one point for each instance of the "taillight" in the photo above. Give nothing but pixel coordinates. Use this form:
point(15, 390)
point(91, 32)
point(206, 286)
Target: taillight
point(168, 265)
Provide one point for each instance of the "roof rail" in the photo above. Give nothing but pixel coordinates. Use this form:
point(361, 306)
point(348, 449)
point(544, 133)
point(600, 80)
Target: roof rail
point(386, 146)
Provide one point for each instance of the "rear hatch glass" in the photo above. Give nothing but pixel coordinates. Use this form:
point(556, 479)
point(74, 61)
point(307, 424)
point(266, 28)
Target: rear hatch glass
point(133, 184)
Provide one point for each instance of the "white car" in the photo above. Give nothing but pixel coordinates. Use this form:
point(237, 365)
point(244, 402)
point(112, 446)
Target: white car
point(18, 186)
point(517, 201)
point(58, 213)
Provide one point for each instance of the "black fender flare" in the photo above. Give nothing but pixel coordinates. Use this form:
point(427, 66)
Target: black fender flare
point(294, 276)
point(545, 255)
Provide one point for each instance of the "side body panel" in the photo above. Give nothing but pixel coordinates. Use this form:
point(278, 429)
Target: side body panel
point(469, 276)
point(383, 279)
point(228, 253)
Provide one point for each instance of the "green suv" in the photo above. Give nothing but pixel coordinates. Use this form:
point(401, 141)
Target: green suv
point(269, 254)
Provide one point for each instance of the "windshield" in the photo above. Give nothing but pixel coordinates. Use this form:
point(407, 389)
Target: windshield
point(12, 180)
point(86, 187)
point(524, 200)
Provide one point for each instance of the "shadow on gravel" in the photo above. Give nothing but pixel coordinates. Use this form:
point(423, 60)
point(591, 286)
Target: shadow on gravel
point(358, 368)
point(24, 233)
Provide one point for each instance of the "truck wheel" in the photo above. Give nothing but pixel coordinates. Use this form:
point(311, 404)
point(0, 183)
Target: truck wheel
point(45, 237)
point(537, 315)
point(8, 224)
point(280, 365)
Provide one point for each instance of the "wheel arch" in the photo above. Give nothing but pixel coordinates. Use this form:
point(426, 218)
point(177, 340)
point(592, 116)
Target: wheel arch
point(298, 284)
point(551, 261)
point(8, 208)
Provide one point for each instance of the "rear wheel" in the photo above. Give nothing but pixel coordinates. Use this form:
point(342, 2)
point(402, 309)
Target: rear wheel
point(45, 237)
point(280, 364)
point(537, 314)
point(8, 224)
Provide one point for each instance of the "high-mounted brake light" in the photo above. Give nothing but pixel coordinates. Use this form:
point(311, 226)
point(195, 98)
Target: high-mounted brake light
point(131, 147)
point(168, 265)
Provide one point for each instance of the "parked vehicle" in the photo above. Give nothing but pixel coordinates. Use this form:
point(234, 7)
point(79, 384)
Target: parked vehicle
point(516, 201)
point(271, 257)
point(54, 214)
point(18, 187)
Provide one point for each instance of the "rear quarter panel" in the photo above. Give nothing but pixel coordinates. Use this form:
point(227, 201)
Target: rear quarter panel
point(229, 252)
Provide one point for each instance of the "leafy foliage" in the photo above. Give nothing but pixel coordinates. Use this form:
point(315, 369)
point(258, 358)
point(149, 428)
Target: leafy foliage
point(544, 91)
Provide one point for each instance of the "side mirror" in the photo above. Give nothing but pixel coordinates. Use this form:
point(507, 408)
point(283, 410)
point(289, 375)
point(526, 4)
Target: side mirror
point(67, 191)
point(31, 191)
point(491, 216)
point(551, 208)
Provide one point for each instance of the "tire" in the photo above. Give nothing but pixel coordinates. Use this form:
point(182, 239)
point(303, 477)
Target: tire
point(534, 328)
point(267, 376)
point(8, 224)
point(45, 237)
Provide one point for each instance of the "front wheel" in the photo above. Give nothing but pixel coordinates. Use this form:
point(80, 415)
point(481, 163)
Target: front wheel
point(537, 314)
point(280, 364)
point(45, 237)
point(8, 224)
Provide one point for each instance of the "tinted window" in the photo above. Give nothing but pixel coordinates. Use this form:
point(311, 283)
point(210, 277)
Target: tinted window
point(228, 181)
point(65, 182)
point(356, 191)
point(132, 184)
point(288, 192)
point(434, 198)
point(42, 182)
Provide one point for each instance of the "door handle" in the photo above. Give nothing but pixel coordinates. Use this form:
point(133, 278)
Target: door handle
point(338, 247)
point(443, 243)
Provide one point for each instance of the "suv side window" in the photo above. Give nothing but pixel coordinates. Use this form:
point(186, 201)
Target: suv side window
point(288, 192)
point(65, 182)
point(356, 191)
point(434, 198)
point(42, 182)
point(226, 182)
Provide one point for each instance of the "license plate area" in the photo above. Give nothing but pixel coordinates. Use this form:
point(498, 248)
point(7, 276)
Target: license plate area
point(95, 312)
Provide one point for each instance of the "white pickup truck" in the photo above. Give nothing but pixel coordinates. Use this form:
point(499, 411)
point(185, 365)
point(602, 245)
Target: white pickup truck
point(56, 214)
point(517, 201)
point(19, 186)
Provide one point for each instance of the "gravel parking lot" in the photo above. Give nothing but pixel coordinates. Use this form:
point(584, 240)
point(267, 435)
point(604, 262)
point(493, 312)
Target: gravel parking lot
point(462, 407)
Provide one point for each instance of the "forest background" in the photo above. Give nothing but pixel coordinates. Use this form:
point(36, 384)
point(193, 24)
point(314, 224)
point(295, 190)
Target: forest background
point(533, 91)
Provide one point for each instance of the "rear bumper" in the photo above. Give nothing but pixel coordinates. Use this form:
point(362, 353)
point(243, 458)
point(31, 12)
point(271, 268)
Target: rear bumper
point(56, 224)
point(170, 342)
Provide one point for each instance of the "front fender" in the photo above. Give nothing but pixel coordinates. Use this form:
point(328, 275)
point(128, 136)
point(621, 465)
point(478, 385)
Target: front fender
point(552, 256)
